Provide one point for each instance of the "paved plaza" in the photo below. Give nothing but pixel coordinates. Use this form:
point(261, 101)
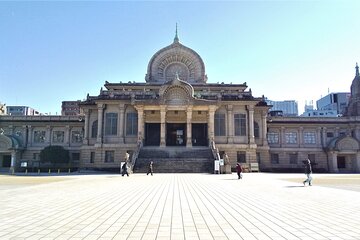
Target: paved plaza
point(180, 206)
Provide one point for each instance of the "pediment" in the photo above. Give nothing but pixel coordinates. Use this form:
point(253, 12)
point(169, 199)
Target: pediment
point(344, 144)
point(176, 92)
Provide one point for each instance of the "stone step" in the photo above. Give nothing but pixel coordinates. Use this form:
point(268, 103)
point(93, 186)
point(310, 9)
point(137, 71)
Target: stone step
point(175, 159)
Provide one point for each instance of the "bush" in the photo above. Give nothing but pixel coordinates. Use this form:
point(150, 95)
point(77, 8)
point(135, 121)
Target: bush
point(54, 155)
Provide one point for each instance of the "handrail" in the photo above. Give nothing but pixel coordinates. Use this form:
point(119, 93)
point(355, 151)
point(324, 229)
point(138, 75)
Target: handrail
point(214, 150)
point(135, 154)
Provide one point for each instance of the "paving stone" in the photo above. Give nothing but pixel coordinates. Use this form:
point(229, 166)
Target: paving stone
point(181, 206)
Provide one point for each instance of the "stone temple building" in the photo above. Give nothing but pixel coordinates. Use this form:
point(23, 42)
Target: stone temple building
point(182, 123)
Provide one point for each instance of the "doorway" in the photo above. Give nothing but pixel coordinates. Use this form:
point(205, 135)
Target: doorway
point(199, 134)
point(6, 161)
point(175, 134)
point(152, 134)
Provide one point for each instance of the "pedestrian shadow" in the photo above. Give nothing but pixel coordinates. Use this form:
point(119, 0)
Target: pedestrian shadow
point(232, 179)
point(294, 186)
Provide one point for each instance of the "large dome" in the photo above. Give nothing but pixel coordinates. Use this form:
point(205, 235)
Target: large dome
point(176, 59)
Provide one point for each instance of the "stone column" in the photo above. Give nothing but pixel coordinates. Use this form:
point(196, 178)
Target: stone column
point(162, 126)
point(188, 127)
point(68, 132)
point(282, 136)
point(140, 110)
point(301, 139)
point(13, 162)
point(251, 124)
point(211, 127)
point(121, 123)
point(334, 166)
point(11, 129)
point(30, 135)
point(324, 137)
point(230, 125)
point(318, 137)
point(264, 128)
point(86, 127)
point(48, 135)
point(357, 162)
point(100, 123)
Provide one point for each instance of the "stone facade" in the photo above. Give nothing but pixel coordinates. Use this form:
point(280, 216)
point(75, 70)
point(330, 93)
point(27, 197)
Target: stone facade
point(176, 107)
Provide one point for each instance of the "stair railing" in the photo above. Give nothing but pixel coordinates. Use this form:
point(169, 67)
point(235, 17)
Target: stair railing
point(214, 150)
point(135, 155)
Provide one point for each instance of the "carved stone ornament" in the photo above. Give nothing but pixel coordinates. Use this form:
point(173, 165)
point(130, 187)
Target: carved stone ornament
point(347, 143)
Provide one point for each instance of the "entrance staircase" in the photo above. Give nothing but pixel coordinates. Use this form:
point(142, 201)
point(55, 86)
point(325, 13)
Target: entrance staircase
point(175, 160)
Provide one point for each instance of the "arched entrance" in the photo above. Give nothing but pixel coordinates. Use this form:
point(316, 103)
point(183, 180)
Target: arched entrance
point(344, 155)
point(9, 146)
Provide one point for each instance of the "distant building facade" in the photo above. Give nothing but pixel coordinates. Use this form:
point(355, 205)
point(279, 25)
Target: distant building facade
point(21, 111)
point(288, 107)
point(176, 110)
point(320, 113)
point(334, 101)
point(70, 108)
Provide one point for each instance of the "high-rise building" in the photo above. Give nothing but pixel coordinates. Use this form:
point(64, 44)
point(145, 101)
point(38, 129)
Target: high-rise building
point(334, 101)
point(70, 108)
point(21, 111)
point(288, 107)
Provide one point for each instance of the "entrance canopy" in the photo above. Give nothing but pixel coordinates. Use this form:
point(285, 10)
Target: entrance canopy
point(8, 142)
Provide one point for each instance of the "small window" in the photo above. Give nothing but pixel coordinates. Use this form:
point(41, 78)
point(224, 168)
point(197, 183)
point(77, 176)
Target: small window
point(330, 134)
point(92, 157)
point(241, 157)
point(94, 129)
point(256, 130)
point(258, 157)
point(341, 162)
point(219, 124)
point(275, 158)
point(240, 124)
point(109, 156)
point(76, 137)
point(39, 136)
point(58, 136)
point(273, 137)
point(291, 137)
point(309, 138)
point(131, 124)
point(293, 158)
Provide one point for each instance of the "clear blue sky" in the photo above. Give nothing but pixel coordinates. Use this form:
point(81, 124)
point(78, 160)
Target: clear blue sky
point(286, 50)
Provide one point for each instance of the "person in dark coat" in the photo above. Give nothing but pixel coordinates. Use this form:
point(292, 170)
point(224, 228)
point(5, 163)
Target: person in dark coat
point(124, 169)
point(150, 170)
point(239, 170)
point(308, 172)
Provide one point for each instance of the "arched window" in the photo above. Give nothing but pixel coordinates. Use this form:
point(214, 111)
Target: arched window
point(94, 129)
point(256, 130)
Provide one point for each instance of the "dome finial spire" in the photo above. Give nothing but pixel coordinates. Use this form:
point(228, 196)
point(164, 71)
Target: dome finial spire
point(176, 38)
point(357, 70)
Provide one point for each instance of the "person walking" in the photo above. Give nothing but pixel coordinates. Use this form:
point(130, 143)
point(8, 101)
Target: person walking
point(308, 172)
point(150, 170)
point(124, 169)
point(239, 170)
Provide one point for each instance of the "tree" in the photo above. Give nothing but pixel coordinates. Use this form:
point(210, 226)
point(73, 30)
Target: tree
point(54, 155)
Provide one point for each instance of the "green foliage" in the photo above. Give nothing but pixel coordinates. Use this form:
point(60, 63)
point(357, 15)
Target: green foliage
point(54, 155)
